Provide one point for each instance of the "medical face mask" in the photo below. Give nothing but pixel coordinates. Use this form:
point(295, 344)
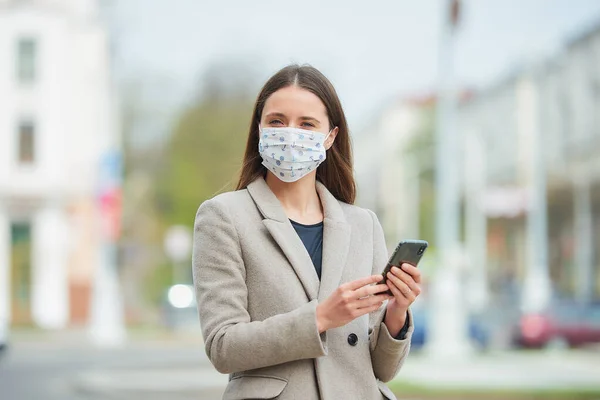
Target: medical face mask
point(291, 153)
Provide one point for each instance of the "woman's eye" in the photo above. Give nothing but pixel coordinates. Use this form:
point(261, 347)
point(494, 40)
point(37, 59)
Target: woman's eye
point(308, 124)
point(275, 122)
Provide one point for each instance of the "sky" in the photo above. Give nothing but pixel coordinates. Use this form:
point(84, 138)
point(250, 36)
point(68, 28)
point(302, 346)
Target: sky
point(375, 52)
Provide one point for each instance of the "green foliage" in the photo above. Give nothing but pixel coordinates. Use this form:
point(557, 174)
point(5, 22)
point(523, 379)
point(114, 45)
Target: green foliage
point(165, 182)
point(156, 283)
point(203, 156)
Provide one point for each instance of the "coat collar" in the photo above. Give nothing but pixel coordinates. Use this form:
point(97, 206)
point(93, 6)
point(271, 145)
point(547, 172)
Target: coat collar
point(336, 238)
point(270, 206)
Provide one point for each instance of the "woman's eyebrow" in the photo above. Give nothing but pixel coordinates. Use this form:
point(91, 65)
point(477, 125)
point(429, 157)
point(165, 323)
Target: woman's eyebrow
point(310, 119)
point(282, 115)
point(276, 114)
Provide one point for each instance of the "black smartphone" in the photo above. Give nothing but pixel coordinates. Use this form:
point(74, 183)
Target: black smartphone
point(407, 251)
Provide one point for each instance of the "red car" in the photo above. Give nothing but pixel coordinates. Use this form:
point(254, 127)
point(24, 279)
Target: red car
point(563, 325)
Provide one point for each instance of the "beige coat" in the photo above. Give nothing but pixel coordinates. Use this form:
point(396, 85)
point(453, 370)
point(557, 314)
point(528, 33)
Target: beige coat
point(257, 293)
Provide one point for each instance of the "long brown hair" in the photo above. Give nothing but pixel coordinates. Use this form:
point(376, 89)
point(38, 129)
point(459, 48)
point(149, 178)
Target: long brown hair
point(336, 172)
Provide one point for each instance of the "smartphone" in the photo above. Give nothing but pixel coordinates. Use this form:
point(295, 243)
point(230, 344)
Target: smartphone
point(407, 251)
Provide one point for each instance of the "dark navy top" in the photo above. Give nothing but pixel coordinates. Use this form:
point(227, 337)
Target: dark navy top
point(312, 237)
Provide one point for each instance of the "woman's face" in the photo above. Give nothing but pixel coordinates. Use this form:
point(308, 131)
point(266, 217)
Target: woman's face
point(295, 107)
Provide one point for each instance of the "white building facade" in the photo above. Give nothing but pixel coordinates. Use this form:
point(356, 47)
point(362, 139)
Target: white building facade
point(56, 123)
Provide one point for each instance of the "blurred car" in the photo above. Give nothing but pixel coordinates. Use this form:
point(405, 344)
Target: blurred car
point(478, 332)
point(3, 337)
point(564, 324)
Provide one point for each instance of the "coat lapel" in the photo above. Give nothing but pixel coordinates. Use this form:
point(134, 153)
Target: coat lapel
point(336, 239)
point(336, 242)
point(296, 253)
point(282, 231)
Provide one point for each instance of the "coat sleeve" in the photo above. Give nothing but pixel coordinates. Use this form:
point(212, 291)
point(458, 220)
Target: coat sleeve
point(387, 353)
point(233, 342)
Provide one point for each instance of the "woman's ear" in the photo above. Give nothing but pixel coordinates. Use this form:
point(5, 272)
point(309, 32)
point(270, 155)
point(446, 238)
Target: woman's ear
point(331, 138)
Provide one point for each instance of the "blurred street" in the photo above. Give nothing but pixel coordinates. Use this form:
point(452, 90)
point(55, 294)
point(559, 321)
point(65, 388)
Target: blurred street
point(65, 368)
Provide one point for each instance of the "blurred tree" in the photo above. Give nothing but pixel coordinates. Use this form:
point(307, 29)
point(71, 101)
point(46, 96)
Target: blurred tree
point(140, 251)
point(168, 176)
point(204, 153)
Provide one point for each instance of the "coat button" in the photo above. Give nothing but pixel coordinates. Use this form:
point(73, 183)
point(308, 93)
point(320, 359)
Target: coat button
point(352, 339)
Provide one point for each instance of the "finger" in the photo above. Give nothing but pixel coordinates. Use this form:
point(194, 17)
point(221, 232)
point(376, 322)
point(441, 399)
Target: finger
point(368, 310)
point(362, 282)
point(369, 301)
point(412, 271)
point(402, 294)
point(401, 286)
point(370, 290)
point(407, 279)
point(396, 292)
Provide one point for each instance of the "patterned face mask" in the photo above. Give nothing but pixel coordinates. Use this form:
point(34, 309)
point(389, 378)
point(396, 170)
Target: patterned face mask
point(291, 153)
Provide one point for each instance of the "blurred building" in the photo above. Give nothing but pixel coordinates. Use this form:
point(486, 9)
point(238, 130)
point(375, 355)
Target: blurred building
point(531, 182)
point(547, 110)
point(55, 128)
point(388, 167)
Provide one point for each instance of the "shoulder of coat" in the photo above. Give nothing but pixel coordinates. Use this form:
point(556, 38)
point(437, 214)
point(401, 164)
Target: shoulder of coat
point(227, 201)
point(232, 199)
point(356, 214)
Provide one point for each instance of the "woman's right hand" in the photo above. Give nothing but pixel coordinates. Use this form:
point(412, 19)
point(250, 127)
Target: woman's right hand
point(350, 301)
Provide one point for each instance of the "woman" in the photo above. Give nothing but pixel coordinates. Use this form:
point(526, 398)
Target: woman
point(286, 268)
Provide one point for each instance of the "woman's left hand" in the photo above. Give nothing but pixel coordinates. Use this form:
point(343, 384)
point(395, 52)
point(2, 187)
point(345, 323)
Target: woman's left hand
point(404, 284)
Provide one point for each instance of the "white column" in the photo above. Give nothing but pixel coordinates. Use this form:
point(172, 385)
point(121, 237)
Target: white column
point(583, 239)
point(4, 275)
point(537, 288)
point(107, 327)
point(50, 305)
point(476, 220)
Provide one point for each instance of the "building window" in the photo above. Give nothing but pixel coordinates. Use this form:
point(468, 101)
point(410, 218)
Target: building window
point(20, 272)
point(26, 142)
point(26, 60)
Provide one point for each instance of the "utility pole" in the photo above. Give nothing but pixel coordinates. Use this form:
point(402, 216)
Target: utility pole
point(448, 335)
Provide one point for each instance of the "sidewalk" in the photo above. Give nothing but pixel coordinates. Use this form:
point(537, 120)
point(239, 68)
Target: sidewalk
point(518, 371)
point(512, 370)
point(151, 364)
point(172, 383)
point(82, 338)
